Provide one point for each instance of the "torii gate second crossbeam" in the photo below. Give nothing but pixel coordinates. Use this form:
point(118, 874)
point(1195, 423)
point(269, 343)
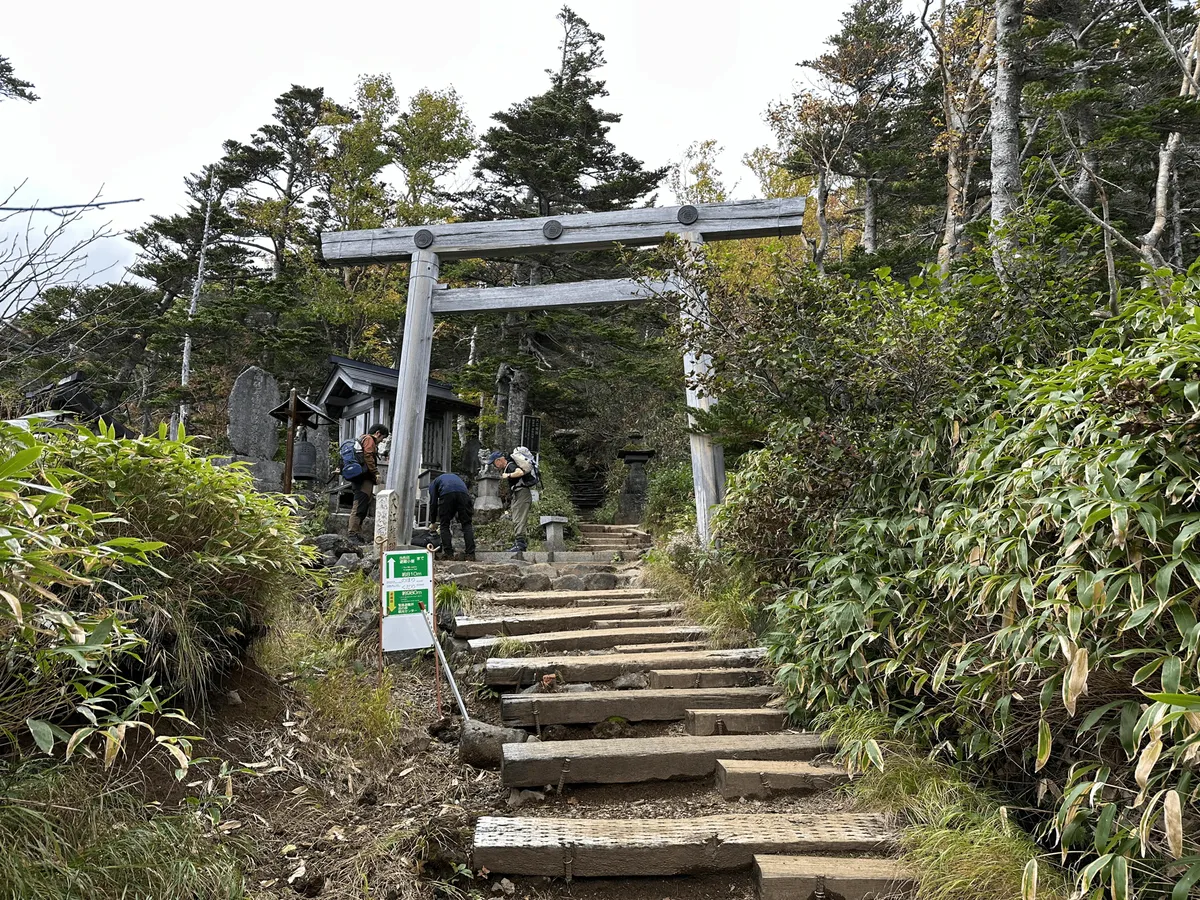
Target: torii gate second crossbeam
point(425, 247)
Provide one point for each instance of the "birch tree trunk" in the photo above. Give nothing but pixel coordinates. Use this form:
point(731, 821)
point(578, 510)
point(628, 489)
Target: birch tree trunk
point(822, 219)
point(1166, 161)
point(870, 233)
point(956, 199)
point(1006, 130)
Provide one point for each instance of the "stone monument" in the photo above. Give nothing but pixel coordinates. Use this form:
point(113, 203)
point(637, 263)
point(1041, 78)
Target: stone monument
point(253, 434)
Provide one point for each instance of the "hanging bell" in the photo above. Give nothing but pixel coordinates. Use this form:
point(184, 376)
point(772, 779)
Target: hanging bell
point(304, 461)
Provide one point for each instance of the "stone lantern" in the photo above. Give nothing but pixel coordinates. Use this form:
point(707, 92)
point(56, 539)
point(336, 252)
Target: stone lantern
point(631, 503)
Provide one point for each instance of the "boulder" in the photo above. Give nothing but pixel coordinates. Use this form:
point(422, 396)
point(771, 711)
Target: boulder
point(544, 569)
point(470, 580)
point(479, 744)
point(600, 581)
point(348, 561)
point(536, 582)
point(568, 583)
point(504, 581)
point(328, 542)
point(630, 681)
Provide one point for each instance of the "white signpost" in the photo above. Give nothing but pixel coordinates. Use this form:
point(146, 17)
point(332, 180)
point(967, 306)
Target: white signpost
point(407, 591)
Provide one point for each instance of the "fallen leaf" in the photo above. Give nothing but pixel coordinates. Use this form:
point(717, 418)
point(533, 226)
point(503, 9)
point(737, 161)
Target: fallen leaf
point(231, 825)
point(336, 833)
point(299, 873)
point(1173, 822)
point(288, 848)
point(407, 771)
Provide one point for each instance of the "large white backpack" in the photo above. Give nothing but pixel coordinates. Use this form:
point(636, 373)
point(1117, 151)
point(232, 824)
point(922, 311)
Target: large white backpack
point(525, 460)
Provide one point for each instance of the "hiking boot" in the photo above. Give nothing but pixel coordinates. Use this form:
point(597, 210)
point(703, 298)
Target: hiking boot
point(516, 548)
point(356, 538)
point(468, 557)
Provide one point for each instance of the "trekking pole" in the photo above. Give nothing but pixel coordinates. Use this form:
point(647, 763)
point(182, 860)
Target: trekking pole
point(437, 648)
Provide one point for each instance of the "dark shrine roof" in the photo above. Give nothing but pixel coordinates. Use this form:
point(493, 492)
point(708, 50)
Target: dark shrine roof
point(350, 376)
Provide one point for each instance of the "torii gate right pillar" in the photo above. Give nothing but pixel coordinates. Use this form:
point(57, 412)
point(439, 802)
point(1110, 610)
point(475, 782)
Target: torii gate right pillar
point(708, 457)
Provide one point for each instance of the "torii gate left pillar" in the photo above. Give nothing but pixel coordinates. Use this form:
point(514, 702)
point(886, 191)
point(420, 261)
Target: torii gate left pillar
point(408, 419)
point(424, 249)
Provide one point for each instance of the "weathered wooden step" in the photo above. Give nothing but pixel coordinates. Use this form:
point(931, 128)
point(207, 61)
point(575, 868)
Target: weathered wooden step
point(630, 760)
point(706, 678)
point(701, 721)
point(659, 648)
point(557, 599)
point(863, 878)
point(554, 620)
point(601, 639)
point(633, 623)
point(600, 528)
point(760, 778)
point(636, 706)
point(607, 666)
point(591, 848)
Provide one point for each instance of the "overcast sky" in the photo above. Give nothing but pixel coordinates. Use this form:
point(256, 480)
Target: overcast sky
point(136, 94)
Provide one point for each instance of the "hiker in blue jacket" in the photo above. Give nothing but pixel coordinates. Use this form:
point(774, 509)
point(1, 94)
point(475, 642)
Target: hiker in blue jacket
point(449, 499)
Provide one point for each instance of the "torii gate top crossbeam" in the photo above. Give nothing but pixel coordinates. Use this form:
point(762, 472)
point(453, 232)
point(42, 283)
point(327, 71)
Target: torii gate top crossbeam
point(587, 231)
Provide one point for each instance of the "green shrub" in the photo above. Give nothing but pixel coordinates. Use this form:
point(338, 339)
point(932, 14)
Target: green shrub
point(1019, 611)
point(130, 569)
point(670, 499)
point(63, 641)
point(227, 551)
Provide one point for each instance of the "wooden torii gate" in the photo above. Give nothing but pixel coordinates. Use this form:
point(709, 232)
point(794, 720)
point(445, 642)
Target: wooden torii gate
point(425, 247)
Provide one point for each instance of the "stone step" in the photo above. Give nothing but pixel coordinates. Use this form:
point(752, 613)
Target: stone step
point(706, 678)
point(562, 599)
point(607, 666)
point(471, 627)
point(631, 760)
point(701, 721)
point(630, 623)
point(862, 878)
point(634, 705)
point(660, 648)
point(762, 778)
point(601, 528)
point(590, 848)
point(530, 557)
point(597, 639)
point(594, 545)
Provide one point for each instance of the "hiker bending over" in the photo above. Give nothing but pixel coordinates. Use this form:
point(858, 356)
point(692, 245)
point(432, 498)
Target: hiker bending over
point(449, 499)
point(519, 469)
point(360, 466)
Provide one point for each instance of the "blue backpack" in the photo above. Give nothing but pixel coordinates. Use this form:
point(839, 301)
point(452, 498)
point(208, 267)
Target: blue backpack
point(351, 453)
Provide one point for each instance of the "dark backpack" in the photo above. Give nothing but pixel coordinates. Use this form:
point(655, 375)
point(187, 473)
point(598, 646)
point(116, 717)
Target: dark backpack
point(351, 453)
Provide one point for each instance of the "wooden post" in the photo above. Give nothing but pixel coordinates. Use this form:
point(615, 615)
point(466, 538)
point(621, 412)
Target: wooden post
point(293, 415)
point(409, 417)
point(708, 458)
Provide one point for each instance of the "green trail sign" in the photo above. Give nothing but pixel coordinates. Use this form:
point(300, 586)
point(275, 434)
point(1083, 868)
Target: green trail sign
point(407, 587)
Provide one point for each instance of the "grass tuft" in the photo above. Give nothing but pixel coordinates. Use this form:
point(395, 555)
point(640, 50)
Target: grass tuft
point(66, 836)
point(956, 836)
point(507, 646)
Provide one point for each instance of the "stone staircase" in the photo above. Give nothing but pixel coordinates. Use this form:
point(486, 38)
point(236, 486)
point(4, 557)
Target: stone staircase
point(652, 755)
point(626, 539)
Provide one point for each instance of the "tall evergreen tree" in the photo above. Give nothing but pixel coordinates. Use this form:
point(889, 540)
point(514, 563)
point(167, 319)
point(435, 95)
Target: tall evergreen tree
point(551, 153)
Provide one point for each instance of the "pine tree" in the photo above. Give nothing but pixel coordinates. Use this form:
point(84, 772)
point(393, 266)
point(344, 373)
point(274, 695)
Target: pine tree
point(551, 153)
